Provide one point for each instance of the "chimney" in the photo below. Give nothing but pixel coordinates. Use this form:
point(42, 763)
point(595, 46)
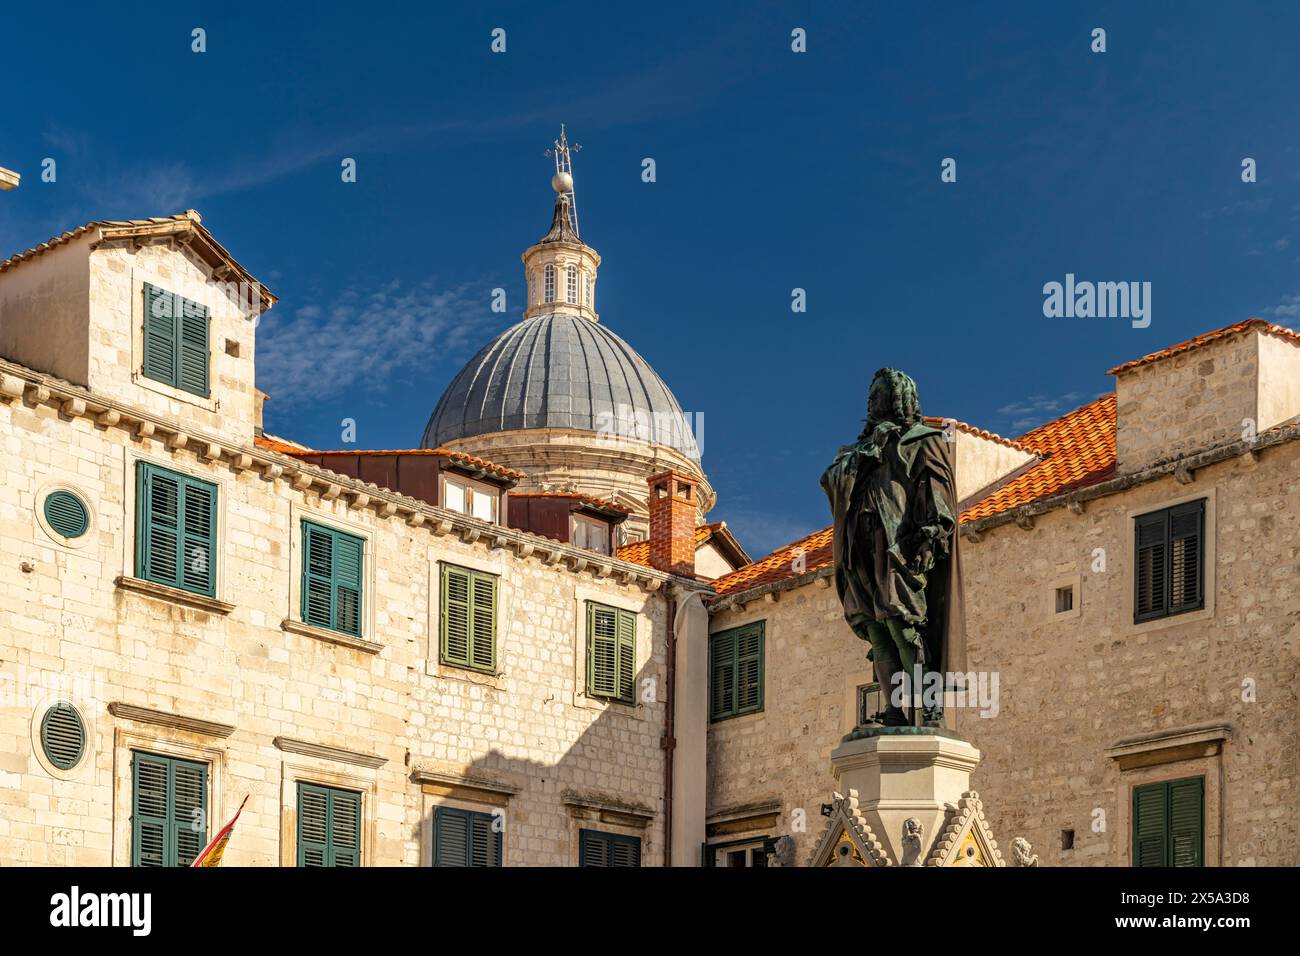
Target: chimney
point(672, 523)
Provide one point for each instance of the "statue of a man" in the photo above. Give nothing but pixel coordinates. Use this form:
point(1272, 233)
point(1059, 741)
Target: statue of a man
point(893, 497)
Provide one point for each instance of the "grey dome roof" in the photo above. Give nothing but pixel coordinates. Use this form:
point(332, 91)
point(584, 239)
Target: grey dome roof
point(559, 371)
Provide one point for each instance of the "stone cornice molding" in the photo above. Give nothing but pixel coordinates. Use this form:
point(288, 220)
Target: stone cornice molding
point(162, 718)
point(308, 749)
point(1168, 746)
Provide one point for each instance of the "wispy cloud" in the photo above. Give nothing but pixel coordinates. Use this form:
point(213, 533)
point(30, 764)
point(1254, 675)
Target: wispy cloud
point(1035, 410)
point(1288, 308)
point(370, 340)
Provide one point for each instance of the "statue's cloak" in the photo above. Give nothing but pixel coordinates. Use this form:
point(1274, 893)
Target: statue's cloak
point(890, 493)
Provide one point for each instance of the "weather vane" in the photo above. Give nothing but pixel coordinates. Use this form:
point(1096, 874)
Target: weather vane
point(562, 181)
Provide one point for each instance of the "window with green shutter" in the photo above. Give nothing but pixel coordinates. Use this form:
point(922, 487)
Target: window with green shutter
point(611, 653)
point(169, 810)
point(468, 619)
point(175, 530)
point(736, 671)
point(1169, 823)
point(176, 333)
point(332, 563)
point(465, 838)
point(597, 848)
point(329, 826)
point(1169, 553)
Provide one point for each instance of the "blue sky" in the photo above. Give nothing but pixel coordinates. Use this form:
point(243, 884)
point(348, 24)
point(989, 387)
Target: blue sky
point(775, 170)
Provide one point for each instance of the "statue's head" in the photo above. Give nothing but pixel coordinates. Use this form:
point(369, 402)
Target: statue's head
point(893, 398)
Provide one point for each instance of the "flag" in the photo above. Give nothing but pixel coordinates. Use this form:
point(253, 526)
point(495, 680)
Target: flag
point(211, 855)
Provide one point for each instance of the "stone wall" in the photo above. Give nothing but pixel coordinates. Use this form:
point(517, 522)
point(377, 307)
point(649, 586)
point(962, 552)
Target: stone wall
point(1073, 686)
point(779, 759)
point(268, 703)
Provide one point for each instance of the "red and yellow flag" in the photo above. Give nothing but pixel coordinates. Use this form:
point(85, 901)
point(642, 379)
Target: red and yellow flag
point(211, 855)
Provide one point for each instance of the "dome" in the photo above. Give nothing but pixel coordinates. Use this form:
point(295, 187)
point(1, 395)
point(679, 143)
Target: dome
point(560, 371)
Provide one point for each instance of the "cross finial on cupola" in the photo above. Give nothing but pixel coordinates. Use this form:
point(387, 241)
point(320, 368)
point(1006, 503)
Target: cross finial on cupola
point(562, 181)
point(560, 268)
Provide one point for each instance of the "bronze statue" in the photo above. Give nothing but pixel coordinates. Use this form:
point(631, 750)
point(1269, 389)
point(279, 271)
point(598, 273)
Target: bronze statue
point(893, 497)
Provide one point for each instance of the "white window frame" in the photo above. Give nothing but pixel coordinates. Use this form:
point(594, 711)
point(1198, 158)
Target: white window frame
point(588, 523)
point(472, 489)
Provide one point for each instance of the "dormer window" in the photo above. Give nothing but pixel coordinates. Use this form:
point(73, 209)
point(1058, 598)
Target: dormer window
point(549, 283)
point(175, 341)
point(571, 289)
point(469, 497)
point(590, 533)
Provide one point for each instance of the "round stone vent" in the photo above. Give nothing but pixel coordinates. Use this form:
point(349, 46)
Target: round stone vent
point(66, 514)
point(63, 736)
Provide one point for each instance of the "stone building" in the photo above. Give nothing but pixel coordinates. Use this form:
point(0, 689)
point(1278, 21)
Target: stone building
point(1131, 627)
point(522, 643)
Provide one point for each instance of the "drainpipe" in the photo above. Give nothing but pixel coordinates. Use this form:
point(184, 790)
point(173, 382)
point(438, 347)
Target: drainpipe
point(669, 741)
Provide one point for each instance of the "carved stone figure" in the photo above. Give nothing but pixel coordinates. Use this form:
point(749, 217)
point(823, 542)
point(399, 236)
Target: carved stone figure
point(1021, 851)
point(893, 499)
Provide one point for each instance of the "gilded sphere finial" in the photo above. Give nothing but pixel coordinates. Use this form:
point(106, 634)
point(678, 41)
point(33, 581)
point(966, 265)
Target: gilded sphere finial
point(562, 183)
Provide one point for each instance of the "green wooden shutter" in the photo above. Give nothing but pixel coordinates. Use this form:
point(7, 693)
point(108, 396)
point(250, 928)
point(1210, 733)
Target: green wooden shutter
point(189, 810)
point(596, 848)
point(1186, 821)
point(159, 335)
point(149, 811)
point(313, 825)
point(329, 826)
point(332, 567)
point(611, 653)
point(1152, 566)
point(176, 530)
point(1169, 823)
point(169, 809)
point(451, 829)
point(722, 675)
point(465, 838)
point(455, 616)
point(626, 637)
point(317, 575)
point(1186, 556)
point(192, 351)
point(176, 341)
point(345, 828)
point(749, 669)
point(483, 618)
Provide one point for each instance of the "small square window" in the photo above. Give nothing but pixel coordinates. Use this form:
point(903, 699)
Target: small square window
point(1064, 599)
point(1067, 839)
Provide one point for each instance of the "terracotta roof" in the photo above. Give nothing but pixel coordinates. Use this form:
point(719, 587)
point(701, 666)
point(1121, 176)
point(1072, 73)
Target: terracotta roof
point(1206, 338)
point(779, 564)
point(1078, 449)
point(285, 447)
point(188, 224)
point(638, 552)
point(590, 499)
point(281, 445)
point(977, 432)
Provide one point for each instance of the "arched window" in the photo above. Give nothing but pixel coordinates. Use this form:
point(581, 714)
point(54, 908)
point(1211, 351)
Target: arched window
point(571, 289)
point(550, 283)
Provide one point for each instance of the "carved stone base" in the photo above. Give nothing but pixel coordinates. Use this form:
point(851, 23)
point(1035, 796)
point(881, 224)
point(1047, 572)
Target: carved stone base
point(907, 782)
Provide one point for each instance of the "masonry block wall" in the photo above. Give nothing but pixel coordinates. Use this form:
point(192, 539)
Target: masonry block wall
point(267, 704)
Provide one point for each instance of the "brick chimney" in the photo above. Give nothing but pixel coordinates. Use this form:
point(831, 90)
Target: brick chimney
point(672, 522)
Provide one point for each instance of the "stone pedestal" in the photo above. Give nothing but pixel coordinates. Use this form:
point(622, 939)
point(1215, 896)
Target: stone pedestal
point(902, 774)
